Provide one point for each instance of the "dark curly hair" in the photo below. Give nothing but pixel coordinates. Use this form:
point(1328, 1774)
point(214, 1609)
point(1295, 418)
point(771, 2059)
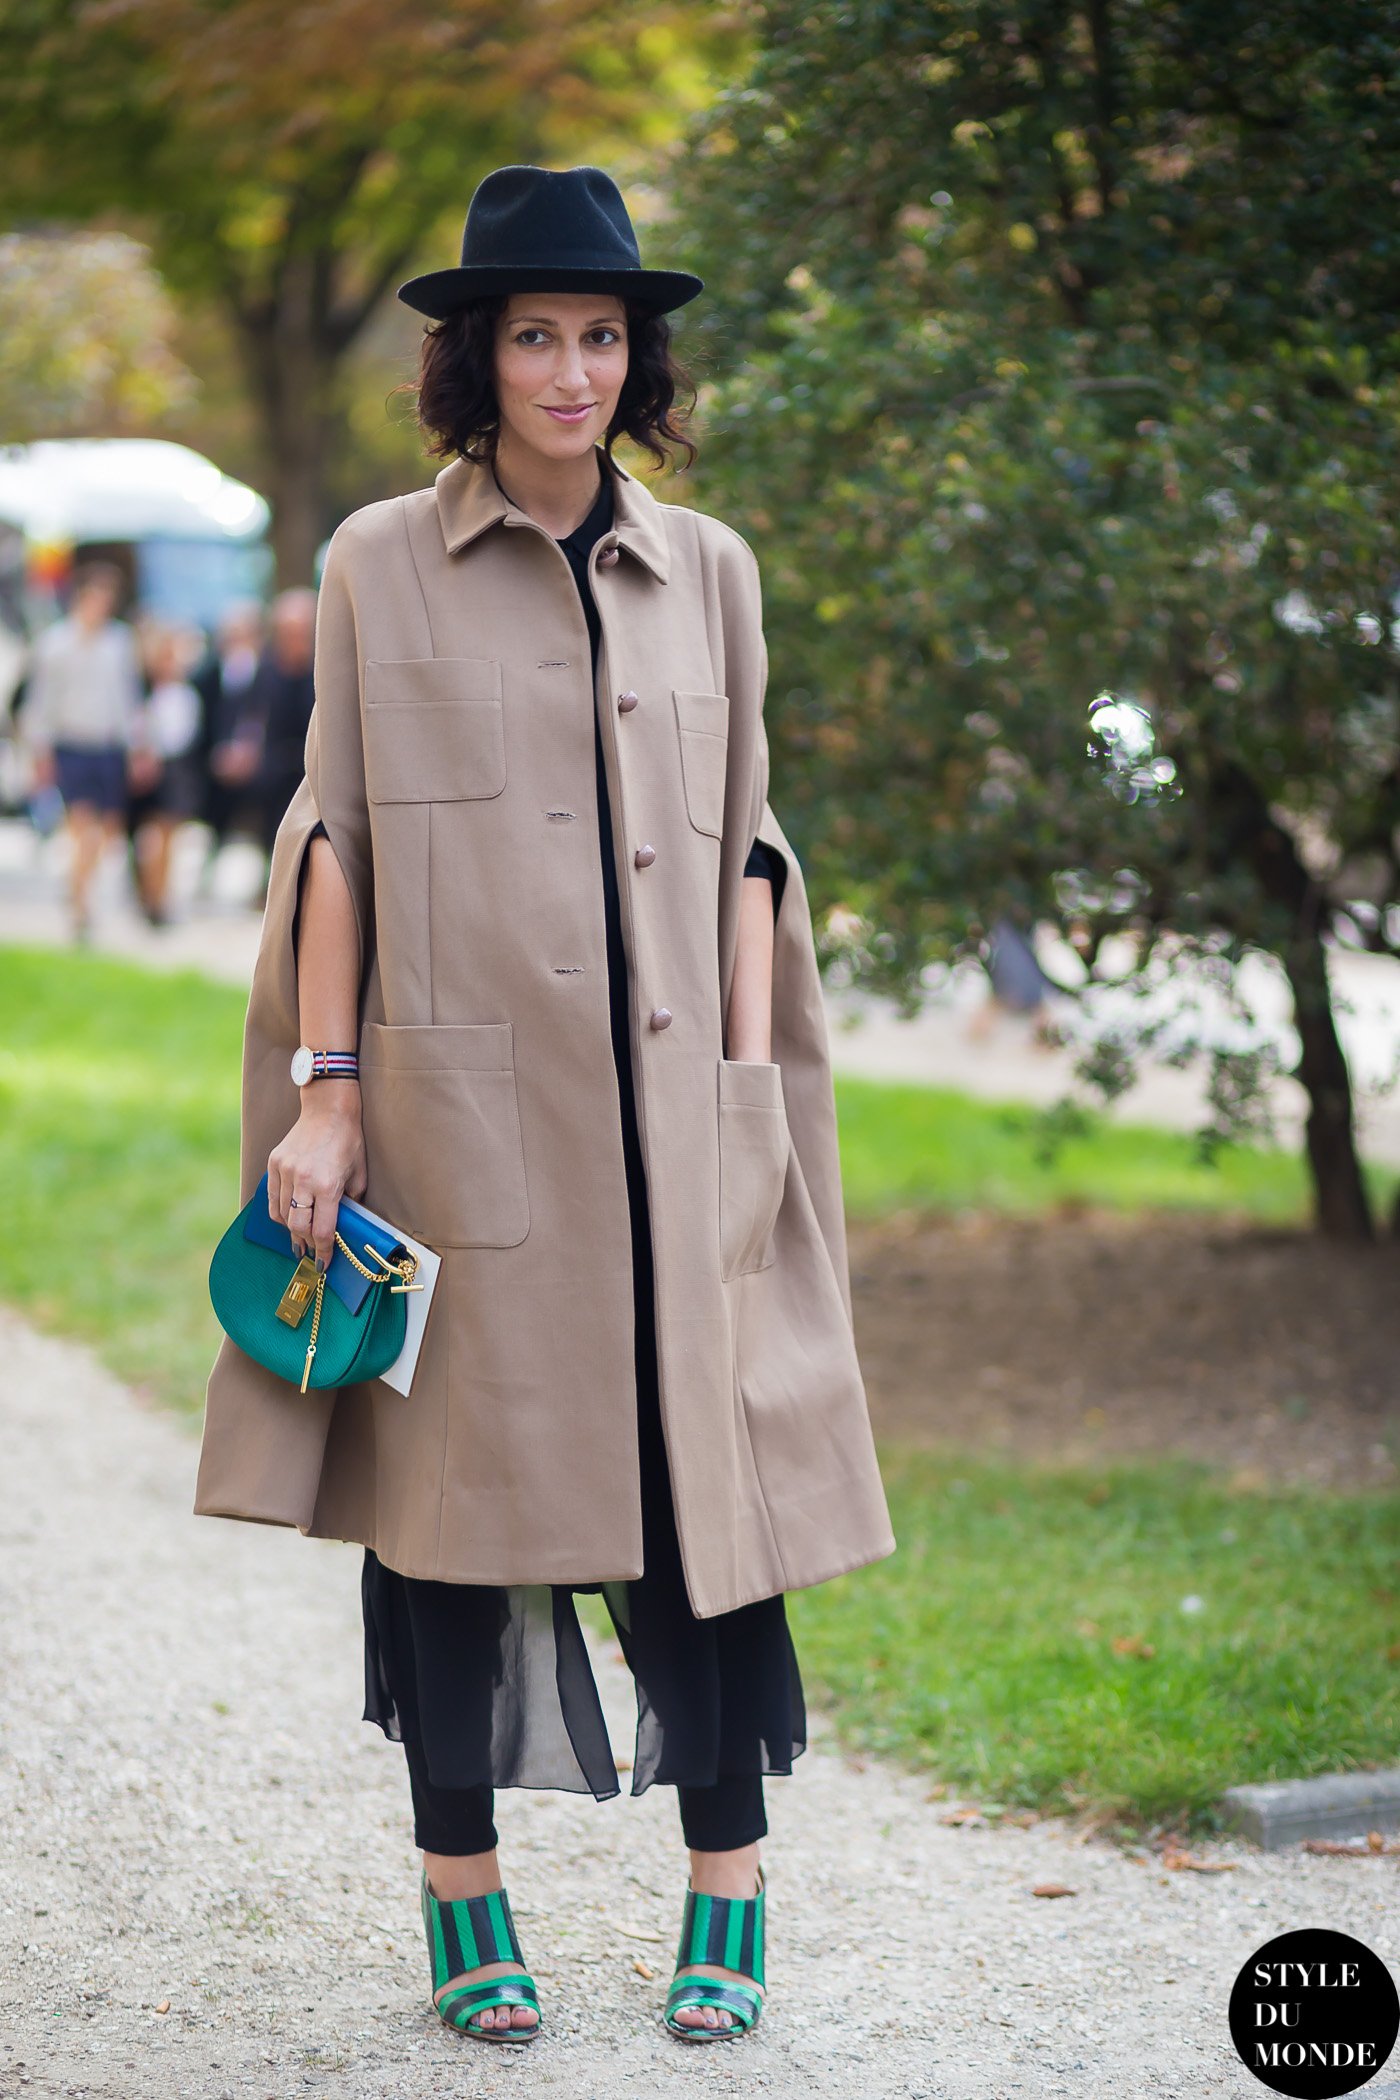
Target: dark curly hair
point(457, 407)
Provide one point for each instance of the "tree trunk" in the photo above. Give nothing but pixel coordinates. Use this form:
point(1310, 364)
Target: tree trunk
point(1242, 829)
point(291, 359)
point(1340, 1203)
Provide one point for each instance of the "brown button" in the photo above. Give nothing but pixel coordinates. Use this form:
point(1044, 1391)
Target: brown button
point(608, 556)
point(661, 1017)
point(644, 856)
point(626, 702)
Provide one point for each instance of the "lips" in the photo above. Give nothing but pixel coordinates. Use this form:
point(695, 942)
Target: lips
point(570, 415)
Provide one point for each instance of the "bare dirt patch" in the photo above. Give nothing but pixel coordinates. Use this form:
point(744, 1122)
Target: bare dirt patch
point(1274, 1355)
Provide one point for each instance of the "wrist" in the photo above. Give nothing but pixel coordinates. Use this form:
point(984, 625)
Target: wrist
point(336, 1099)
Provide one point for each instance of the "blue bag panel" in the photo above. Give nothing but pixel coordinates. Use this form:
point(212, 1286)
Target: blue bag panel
point(342, 1276)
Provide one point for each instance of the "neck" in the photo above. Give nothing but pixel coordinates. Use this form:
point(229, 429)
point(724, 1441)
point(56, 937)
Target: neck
point(557, 493)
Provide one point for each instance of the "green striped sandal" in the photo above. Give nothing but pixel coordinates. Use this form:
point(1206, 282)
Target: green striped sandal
point(727, 1933)
point(466, 1935)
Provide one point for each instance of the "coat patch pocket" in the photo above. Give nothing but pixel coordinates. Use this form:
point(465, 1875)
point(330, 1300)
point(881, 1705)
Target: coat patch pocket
point(434, 729)
point(702, 721)
point(754, 1143)
point(442, 1132)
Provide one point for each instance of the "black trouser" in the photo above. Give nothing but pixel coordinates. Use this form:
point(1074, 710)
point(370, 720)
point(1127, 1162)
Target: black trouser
point(458, 1821)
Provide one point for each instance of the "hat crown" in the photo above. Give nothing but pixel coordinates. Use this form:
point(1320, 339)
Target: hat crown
point(524, 215)
point(535, 229)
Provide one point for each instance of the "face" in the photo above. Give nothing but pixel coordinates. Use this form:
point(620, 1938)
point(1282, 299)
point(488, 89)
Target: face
point(294, 628)
point(94, 603)
point(561, 359)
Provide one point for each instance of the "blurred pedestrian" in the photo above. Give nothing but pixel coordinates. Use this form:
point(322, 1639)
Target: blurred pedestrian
point(231, 741)
point(79, 719)
point(166, 777)
point(1018, 984)
point(279, 702)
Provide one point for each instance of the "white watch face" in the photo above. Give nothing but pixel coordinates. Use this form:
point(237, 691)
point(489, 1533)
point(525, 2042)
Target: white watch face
point(303, 1061)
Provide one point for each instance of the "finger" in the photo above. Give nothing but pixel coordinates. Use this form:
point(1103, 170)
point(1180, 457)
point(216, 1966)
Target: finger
point(323, 1228)
point(299, 1221)
point(274, 1193)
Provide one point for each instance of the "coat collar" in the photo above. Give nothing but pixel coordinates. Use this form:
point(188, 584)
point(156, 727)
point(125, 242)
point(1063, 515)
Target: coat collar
point(469, 500)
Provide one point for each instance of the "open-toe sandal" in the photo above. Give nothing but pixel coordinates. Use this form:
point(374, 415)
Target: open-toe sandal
point(725, 1932)
point(467, 1935)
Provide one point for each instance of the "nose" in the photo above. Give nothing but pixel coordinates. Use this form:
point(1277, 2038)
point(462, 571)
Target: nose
point(574, 373)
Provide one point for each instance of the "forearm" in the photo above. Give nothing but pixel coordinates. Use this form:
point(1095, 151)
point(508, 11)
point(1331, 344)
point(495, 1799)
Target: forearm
point(35, 714)
point(750, 1021)
point(322, 1156)
point(328, 960)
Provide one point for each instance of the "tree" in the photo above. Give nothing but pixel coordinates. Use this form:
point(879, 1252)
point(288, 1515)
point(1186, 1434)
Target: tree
point(1066, 365)
point(291, 162)
point(85, 338)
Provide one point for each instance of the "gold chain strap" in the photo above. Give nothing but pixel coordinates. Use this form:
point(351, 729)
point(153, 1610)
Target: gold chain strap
point(405, 1270)
point(315, 1328)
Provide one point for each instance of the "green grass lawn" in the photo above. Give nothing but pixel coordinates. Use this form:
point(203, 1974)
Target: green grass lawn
point(119, 1157)
point(1129, 1637)
point(905, 1146)
point(968, 1652)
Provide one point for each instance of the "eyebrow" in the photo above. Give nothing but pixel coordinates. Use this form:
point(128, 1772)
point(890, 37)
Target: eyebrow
point(549, 320)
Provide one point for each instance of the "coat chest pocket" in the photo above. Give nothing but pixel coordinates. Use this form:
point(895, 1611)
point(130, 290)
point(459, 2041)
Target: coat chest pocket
point(442, 1132)
point(754, 1143)
point(434, 729)
point(702, 723)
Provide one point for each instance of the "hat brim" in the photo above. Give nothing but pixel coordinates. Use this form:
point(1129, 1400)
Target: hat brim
point(440, 293)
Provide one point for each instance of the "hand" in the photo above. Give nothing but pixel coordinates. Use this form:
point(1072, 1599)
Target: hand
point(44, 772)
point(321, 1159)
point(143, 769)
point(234, 763)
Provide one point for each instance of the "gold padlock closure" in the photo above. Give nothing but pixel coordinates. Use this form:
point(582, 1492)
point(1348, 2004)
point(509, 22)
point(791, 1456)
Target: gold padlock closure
point(296, 1299)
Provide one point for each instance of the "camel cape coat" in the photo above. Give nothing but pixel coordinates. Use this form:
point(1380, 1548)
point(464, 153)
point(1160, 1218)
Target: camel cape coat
point(451, 759)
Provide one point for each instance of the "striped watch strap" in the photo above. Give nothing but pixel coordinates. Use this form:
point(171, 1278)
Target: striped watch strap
point(335, 1064)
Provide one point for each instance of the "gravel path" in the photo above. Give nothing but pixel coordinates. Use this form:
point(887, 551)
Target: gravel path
point(208, 1886)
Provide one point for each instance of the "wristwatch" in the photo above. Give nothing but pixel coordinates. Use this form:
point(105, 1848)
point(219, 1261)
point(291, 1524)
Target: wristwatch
point(323, 1064)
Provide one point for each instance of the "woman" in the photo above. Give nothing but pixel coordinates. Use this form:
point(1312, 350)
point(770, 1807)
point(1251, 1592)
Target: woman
point(524, 892)
point(166, 782)
point(80, 718)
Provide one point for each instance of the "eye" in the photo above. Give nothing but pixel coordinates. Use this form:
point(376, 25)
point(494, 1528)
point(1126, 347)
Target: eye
point(613, 335)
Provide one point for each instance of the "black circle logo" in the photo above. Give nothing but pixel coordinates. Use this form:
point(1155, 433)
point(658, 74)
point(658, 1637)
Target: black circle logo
point(1314, 2013)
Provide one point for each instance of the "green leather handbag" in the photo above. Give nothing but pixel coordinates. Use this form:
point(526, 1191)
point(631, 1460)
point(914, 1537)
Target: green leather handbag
point(263, 1292)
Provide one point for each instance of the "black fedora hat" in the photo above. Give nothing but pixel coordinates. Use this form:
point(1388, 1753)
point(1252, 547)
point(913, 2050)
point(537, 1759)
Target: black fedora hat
point(535, 229)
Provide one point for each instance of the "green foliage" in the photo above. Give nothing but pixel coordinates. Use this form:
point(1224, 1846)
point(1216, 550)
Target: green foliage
point(1070, 369)
point(291, 166)
point(85, 338)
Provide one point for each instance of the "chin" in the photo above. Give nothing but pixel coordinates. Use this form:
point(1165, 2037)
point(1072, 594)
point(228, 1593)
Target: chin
point(578, 438)
point(556, 441)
